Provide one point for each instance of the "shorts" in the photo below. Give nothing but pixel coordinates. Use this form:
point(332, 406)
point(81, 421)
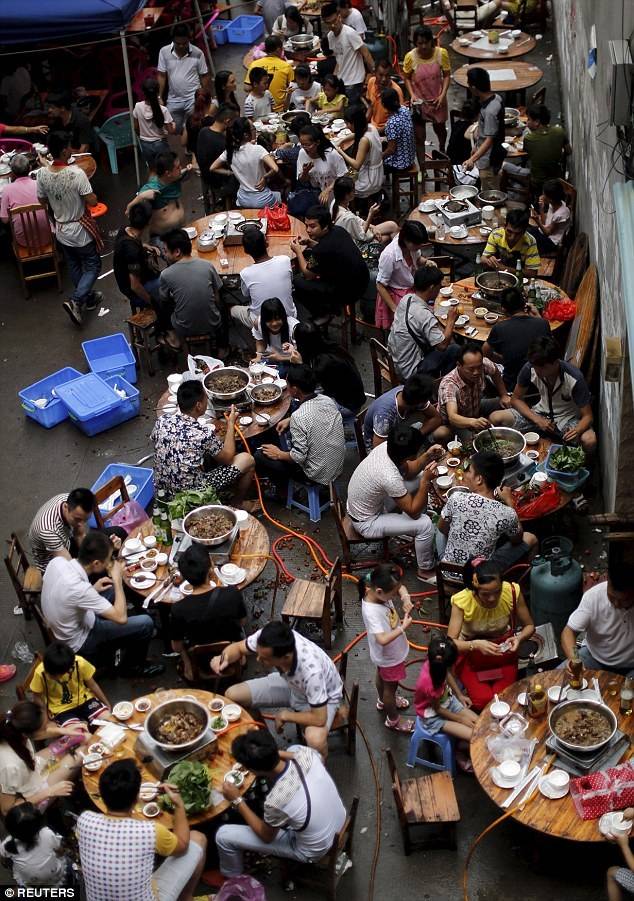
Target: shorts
point(525, 425)
point(274, 691)
point(222, 477)
point(435, 723)
point(175, 872)
point(625, 878)
point(507, 554)
point(396, 673)
point(85, 713)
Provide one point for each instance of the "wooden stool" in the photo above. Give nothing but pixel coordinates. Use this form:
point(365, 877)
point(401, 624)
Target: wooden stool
point(428, 801)
point(193, 344)
point(313, 601)
point(405, 184)
point(142, 328)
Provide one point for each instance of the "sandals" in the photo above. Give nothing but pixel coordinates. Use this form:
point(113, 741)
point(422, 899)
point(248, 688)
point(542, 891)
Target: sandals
point(399, 725)
point(401, 703)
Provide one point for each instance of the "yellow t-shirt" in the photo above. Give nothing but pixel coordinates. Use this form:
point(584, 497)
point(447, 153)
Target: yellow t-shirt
point(166, 841)
point(281, 72)
point(65, 692)
point(482, 621)
point(326, 105)
point(412, 59)
point(526, 247)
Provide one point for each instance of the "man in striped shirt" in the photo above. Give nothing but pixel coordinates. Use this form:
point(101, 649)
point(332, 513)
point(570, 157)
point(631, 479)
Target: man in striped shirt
point(58, 523)
point(512, 242)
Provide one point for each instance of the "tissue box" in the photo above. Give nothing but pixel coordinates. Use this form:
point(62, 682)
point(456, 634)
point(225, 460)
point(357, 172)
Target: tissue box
point(111, 735)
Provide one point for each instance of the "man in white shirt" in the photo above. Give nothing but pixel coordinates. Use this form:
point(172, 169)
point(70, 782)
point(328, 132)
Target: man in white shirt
point(267, 277)
point(606, 615)
point(78, 614)
point(182, 66)
point(304, 682)
point(352, 17)
point(302, 811)
point(352, 55)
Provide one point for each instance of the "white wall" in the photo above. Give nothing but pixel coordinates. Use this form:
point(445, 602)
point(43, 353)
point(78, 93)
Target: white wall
point(585, 111)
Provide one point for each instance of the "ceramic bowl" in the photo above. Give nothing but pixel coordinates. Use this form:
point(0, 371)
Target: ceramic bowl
point(149, 541)
point(499, 709)
point(151, 810)
point(531, 437)
point(480, 312)
point(444, 482)
point(446, 292)
point(92, 762)
point(132, 545)
point(191, 232)
point(216, 705)
point(453, 462)
point(123, 710)
point(142, 705)
point(442, 470)
point(509, 769)
point(218, 724)
point(149, 565)
point(148, 791)
point(491, 317)
point(161, 559)
point(557, 693)
point(234, 777)
point(232, 712)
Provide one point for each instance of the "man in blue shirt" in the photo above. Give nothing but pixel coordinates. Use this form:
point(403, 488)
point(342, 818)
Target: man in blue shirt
point(405, 403)
point(400, 151)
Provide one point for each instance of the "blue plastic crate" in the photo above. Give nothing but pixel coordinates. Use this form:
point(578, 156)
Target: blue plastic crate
point(245, 29)
point(55, 411)
point(562, 478)
point(219, 29)
point(131, 406)
point(111, 355)
point(93, 405)
point(142, 478)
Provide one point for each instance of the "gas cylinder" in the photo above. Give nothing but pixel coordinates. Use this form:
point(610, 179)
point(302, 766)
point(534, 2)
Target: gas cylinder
point(377, 45)
point(556, 584)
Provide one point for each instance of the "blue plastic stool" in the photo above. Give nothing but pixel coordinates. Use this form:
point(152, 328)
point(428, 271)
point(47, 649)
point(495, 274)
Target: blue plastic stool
point(421, 734)
point(315, 508)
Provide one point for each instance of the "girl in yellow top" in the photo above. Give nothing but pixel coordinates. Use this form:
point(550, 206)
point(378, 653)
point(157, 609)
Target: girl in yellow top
point(332, 98)
point(484, 620)
point(427, 76)
point(64, 684)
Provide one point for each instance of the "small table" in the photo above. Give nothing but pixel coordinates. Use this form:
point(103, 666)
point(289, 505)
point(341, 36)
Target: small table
point(276, 411)
point(250, 552)
point(523, 44)
point(238, 259)
point(558, 817)
point(526, 76)
point(219, 763)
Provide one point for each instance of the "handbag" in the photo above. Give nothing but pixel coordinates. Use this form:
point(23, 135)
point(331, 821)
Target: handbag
point(478, 660)
point(277, 218)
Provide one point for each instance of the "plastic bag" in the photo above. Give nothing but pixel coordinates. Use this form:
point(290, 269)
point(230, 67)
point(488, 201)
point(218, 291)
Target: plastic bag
point(244, 887)
point(503, 747)
point(463, 176)
point(130, 516)
point(528, 507)
point(277, 218)
point(21, 651)
point(194, 370)
point(598, 793)
point(560, 310)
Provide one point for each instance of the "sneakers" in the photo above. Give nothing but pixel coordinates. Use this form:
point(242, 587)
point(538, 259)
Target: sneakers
point(94, 300)
point(74, 311)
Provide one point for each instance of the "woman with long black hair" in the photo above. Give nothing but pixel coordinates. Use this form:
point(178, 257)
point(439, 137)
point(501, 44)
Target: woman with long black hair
point(318, 165)
point(201, 115)
point(334, 368)
point(225, 86)
point(365, 155)
point(290, 23)
point(25, 774)
point(152, 122)
point(359, 230)
point(251, 164)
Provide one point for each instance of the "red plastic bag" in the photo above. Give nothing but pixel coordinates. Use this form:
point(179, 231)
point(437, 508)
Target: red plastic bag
point(560, 310)
point(528, 507)
point(277, 218)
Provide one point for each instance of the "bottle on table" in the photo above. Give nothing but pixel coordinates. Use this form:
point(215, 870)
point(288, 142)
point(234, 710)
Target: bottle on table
point(537, 699)
point(166, 529)
point(440, 228)
point(161, 499)
point(627, 696)
point(158, 525)
point(478, 265)
point(576, 670)
point(519, 273)
point(532, 292)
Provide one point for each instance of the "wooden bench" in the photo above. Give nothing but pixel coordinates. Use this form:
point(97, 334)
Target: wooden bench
point(426, 804)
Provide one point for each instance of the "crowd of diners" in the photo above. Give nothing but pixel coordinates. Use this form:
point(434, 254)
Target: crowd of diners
point(447, 389)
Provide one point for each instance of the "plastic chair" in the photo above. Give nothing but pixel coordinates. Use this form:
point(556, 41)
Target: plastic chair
point(315, 508)
point(421, 734)
point(116, 133)
point(17, 144)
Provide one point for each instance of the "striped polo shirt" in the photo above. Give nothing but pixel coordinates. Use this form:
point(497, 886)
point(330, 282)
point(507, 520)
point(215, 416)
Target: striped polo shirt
point(526, 249)
point(49, 533)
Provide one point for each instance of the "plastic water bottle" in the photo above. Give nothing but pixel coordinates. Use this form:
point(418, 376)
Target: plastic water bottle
point(440, 229)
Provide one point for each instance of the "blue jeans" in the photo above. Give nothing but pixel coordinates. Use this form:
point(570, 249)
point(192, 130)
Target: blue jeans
point(180, 111)
point(151, 149)
point(152, 288)
point(133, 637)
point(84, 265)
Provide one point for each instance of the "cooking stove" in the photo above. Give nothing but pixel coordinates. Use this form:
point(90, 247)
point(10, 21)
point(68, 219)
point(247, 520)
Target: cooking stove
point(471, 216)
point(219, 553)
point(160, 761)
point(519, 472)
point(242, 403)
point(579, 764)
point(233, 236)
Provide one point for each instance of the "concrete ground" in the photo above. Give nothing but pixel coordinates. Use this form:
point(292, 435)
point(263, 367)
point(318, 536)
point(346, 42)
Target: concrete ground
point(36, 339)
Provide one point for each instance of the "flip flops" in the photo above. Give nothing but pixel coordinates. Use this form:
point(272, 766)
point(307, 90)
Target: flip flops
point(400, 725)
point(401, 703)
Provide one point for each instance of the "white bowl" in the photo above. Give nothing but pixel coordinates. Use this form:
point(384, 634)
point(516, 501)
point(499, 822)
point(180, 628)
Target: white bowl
point(485, 231)
point(442, 470)
point(221, 217)
point(444, 482)
point(559, 779)
point(149, 565)
point(480, 312)
point(491, 317)
point(500, 709)
point(462, 320)
point(151, 810)
point(245, 420)
point(446, 292)
point(427, 206)
point(532, 455)
point(620, 826)
point(174, 380)
point(453, 301)
point(221, 728)
point(186, 588)
point(216, 705)
point(92, 762)
point(142, 705)
point(509, 769)
point(123, 710)
point(149, 540)
point(230, 569)
point(232, 712)
point(148, 791)
point(161, 559)
point(464, 42)
point(531, 437)
point(557, 693)
point(457, 231)
point(453, 462)
point(454, 447)
point(132, 545)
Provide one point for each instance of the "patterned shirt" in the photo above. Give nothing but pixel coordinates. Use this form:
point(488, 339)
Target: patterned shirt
point(467, 395)
point(313, 678)
point(318, 442)
point(525, 249)
point(400, 128)
point(476, 523)
point(49, 532)
point(180, 444)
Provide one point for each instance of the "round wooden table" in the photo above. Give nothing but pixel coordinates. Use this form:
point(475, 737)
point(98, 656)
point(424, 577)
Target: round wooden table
point(526, 75)
point(238, 260)
point(219, 761)
point(523, 44)
point(473, 237)
point(554, 817)
point(250, 552)
point(276, 411)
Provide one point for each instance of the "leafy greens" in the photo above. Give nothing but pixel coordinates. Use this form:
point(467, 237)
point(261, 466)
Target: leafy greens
point(567, 459)
point(192, 780)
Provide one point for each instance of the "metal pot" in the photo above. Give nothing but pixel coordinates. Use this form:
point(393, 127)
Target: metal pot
point(485, 441)
point(560, 709)
point(463, 192)
point(302, 41)
point(196, 514)
point(159, 713)
point(256, 391)
point(492, 198)
point(494, 284)
point(225, 396)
